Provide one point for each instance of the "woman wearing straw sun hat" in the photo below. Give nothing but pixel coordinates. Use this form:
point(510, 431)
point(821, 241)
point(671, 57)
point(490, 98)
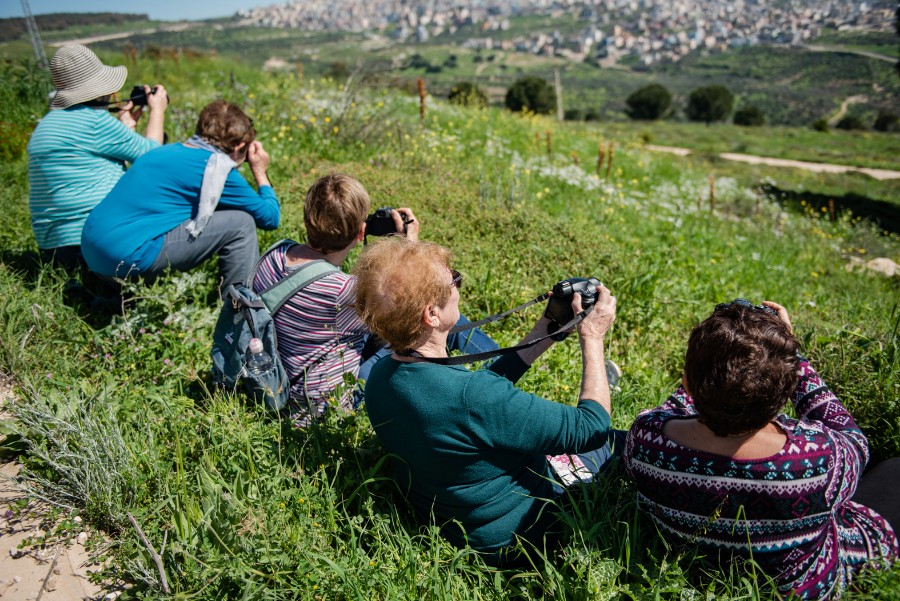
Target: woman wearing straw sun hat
point(78, 151)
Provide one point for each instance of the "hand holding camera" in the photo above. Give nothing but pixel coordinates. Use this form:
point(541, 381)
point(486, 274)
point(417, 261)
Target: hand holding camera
point(387, 220)
point(560, 308)
point(156, 98)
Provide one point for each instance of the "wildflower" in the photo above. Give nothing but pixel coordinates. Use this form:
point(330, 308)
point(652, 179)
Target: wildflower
point(251, 96)
point(380, 104)
point(49, 376)
point(814, 274)
point(336, 129)
point(167, 361)
point(312, 119)
point(327, 119)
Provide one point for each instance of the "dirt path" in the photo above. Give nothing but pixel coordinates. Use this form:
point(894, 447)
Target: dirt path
point(880, 174)
point(124, 34)
point(841, 111)
point(875, 55)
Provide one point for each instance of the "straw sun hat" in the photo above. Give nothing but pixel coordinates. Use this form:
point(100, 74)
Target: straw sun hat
point(79, 76)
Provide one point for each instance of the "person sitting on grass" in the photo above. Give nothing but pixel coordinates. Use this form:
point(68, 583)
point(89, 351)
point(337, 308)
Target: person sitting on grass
point(78, 151)
point(718, 465)
point(320, 338)
point(182, 203)
point(471, 448)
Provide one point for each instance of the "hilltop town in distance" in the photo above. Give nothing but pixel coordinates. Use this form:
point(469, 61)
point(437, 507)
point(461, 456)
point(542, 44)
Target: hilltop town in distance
point(652, 31)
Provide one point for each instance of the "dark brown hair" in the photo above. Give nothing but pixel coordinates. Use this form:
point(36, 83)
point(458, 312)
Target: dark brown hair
point(740, 368)
point(396, 279)
point(335, 208)
point(225, 126)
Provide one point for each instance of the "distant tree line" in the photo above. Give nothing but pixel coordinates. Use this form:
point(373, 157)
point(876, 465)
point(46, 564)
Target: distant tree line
point(13, 29)
point(706, 104)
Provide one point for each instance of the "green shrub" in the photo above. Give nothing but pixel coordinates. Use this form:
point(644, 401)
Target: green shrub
point(710, 103)
point(820, 125)
point(574, 115)
point(531, 93)
point(850, 122)
point(749, 116)
point(649, 103)
point(467, 94)
point(886, 121)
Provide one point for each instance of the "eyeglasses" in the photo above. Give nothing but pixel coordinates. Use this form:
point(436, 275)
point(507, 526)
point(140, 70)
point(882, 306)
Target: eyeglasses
point(457, 279)
point(743, 302)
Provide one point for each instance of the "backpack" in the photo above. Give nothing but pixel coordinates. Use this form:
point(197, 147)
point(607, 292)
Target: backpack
point(246, 315)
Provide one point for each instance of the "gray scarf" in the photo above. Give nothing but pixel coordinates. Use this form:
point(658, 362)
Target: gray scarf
point(218, 166)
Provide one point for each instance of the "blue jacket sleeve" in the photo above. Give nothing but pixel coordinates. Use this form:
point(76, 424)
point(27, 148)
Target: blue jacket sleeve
point(262, 205)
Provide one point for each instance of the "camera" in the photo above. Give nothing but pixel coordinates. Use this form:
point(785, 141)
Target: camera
point(559, 307)
point(139, 95)
point(380, 223)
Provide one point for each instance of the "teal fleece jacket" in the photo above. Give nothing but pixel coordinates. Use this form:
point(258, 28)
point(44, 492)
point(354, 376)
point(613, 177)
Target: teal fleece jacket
point(471, 447)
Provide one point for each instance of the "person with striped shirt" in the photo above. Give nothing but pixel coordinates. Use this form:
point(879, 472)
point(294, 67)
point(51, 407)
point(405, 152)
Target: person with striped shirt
point(719, 466)
point(321, 341)
point(79, 151)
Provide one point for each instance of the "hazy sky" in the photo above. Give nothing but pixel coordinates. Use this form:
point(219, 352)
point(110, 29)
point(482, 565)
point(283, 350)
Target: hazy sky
point(169, 10)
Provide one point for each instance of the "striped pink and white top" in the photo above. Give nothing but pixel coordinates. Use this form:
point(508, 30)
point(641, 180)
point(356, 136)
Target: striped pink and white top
point(320, 338)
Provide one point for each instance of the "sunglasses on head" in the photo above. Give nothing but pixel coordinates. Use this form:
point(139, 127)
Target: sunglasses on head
point(457, 279)
point(743, 302)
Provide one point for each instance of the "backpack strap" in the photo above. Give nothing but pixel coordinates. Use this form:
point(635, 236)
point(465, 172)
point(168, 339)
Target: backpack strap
point(276, 295)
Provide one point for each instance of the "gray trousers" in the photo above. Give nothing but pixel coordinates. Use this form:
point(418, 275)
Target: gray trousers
point(230, 234)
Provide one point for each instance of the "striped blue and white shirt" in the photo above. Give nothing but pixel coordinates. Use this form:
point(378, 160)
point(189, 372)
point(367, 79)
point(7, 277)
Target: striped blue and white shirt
point(75, 157)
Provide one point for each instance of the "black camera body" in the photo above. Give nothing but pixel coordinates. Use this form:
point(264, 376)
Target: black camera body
point(380, 223)
point(559, 307)
point(139, 95)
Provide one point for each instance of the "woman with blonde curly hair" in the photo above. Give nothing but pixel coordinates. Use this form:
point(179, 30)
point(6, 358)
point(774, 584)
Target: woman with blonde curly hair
point(472, 448)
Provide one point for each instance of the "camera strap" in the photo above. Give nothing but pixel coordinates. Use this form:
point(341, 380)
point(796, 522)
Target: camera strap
point(463, 359)
point(499, 316)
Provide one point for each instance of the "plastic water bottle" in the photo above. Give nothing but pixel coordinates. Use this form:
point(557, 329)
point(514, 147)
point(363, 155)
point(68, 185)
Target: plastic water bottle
point(259, 361)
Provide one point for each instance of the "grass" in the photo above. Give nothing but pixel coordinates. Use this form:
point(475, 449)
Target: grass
point(243, 506)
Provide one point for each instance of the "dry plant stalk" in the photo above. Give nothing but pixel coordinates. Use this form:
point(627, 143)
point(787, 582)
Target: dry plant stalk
point(537, 140)
point(575, 158)
point(299, 67)
point(601, 155)
point(163, 582)
point(420, 83)
point(712, 193)
point(610, 162)
point(549, 143)
point(832, 210)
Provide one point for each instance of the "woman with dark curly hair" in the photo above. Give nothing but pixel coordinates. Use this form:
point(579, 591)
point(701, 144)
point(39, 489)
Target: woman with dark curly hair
point(719, 465)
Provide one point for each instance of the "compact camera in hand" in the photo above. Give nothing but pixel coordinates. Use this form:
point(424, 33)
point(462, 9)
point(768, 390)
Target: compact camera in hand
point(559, 307)
point(139, 95)
point(380, 223)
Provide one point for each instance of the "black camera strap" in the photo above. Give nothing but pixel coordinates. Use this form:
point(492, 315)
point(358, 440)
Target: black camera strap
point(499, 316)
point(463, 359)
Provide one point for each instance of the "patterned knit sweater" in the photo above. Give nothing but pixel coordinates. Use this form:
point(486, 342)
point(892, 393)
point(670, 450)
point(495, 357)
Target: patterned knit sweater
point(790, 512)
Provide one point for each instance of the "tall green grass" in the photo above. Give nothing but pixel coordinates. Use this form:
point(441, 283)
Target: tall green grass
point(120, 418)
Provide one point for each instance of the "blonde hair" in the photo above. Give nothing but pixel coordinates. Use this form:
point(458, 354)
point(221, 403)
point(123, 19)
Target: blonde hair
point(335, 208)
point(396, 279)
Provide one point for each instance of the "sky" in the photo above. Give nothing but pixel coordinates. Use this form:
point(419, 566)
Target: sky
point(166, 10)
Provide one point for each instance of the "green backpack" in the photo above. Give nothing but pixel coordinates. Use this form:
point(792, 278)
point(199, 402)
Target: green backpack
point(246, 315)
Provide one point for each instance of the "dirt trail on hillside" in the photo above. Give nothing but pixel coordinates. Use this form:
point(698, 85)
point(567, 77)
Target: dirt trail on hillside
point(879, 174)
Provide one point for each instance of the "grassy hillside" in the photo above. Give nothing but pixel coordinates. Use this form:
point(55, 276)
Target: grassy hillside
point(119, 416)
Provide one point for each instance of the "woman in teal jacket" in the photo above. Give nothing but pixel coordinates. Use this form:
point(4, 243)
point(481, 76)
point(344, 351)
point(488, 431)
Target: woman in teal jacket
point(472, 447)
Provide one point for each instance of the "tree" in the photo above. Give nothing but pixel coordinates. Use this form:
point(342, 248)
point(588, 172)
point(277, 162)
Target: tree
point(710, 103)
point(649, 103)
point(749, 116)
point(532, 93)
point(467, 94)
point(886, 121)
point(820, 125)
point(850, 122)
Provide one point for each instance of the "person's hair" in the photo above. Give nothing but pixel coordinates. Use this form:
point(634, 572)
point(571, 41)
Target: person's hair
point(225, 126)
point(396, 279)
point(740, 368)
point(335, 208)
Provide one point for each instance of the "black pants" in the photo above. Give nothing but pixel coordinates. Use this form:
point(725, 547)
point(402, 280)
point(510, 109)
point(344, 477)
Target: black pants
point(879, 489)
